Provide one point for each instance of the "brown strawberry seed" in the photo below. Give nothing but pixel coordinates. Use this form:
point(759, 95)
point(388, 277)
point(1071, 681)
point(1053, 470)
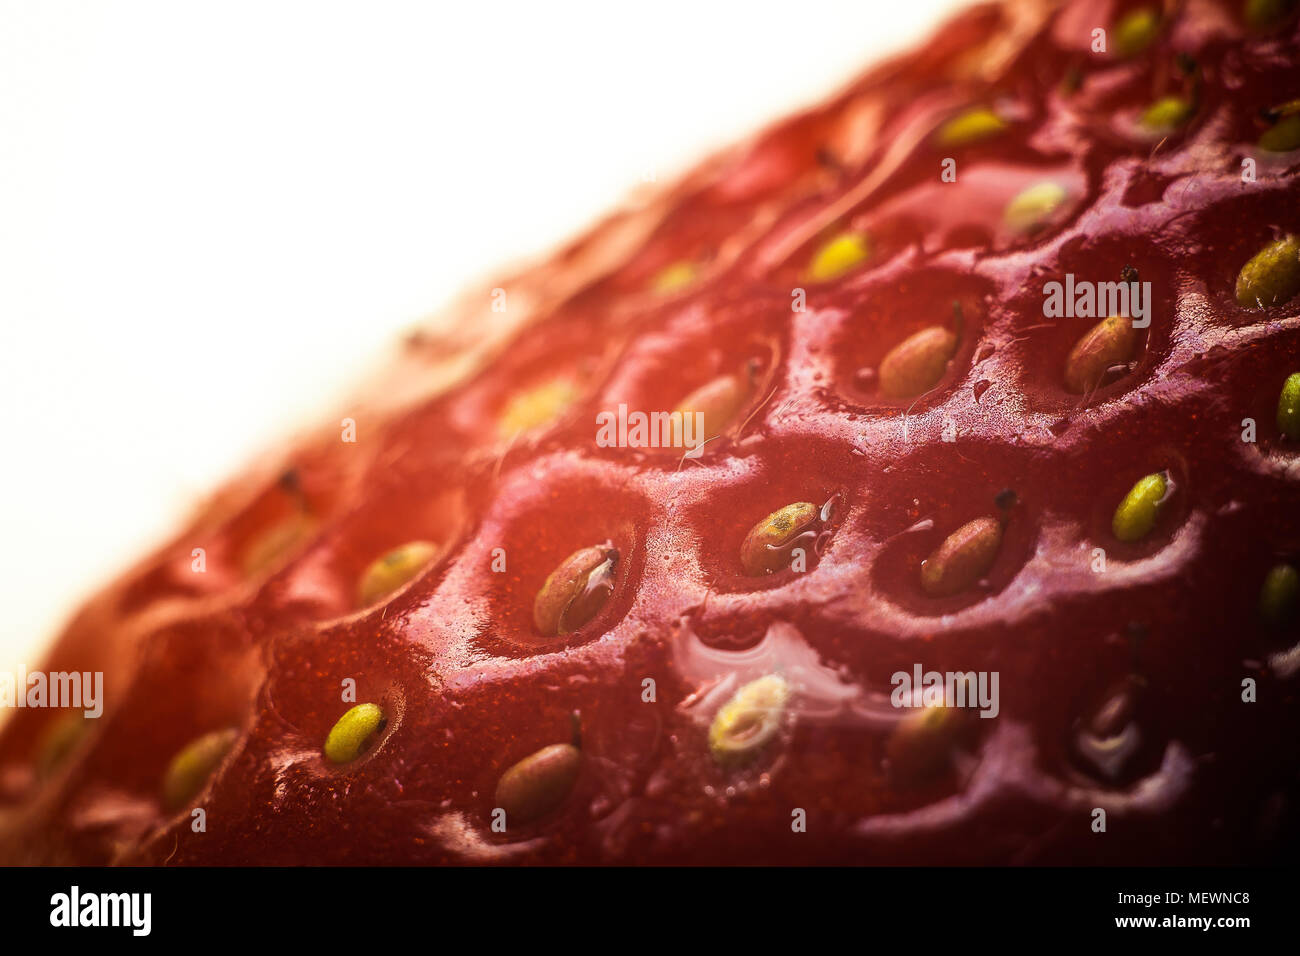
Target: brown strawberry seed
point(922, 743)
point(964, 557)
point(766, 549)
point(576, 590)
point(539, 783)
point(914, 365)
point(1272, 276)
point(1110, 342)
point(719, 401)
point(1288, 407)
point(749, 720)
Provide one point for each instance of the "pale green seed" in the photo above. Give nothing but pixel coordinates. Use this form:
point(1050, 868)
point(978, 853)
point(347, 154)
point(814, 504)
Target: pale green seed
point(1033, 207)
point(1137, 513)
point(58, 741)
point(975, 124)
point(353, 731)
point(749, 721)
point(1272, 276)
point(389, 572)
point(1283, 136)
point(1136, 30)
point(1166, 114)
point(1288, 407)
point(1278, 596)
point(839, 255)
point(193, 765)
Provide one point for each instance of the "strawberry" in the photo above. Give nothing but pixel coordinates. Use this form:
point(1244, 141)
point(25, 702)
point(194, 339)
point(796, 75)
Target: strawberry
point(478, 634)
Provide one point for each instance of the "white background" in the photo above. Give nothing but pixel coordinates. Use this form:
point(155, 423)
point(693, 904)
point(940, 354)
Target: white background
point(215, 216)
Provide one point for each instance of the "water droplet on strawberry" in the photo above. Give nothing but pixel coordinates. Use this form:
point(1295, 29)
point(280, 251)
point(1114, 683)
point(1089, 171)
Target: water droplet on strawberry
point(864, 379)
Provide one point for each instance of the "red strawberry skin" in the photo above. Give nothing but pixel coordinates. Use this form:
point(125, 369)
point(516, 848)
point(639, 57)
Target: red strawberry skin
point(1153, 650)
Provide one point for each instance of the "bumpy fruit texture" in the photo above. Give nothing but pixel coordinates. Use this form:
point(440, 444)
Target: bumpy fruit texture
point(1082, 508)
point(923, 743)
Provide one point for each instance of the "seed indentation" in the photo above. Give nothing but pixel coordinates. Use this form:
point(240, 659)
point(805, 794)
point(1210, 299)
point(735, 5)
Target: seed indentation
point(540, 405)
